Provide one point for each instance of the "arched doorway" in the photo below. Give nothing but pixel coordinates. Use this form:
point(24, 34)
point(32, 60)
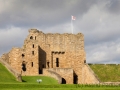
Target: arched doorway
point(75, 79)
point(24, 66)
point(63, 81)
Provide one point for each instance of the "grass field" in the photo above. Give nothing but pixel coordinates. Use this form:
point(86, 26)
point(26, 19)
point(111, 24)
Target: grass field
point(7, 77)
point(8, 82)
point(107, 73)
point(55, 87)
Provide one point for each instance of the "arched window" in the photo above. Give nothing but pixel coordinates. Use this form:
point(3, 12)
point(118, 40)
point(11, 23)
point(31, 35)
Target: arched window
point(31, 37)
point(24, 66)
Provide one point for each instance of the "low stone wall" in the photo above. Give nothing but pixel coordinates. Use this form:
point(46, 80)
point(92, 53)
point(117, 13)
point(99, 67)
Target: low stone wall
point(65, 73)
point(88, 76)
point(14, 72)
point(53, 74)
point(110, 83)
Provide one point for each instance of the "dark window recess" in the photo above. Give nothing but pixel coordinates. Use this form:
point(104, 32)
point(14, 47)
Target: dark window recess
point(57, 62)
point(84, 61)
point(32, 52)
point(32, 64)
point(23, 55)
point(33, 45)
point(35, 37)
point(31, 37)
point(23, 66)
point(48, 64)
point(43, 66)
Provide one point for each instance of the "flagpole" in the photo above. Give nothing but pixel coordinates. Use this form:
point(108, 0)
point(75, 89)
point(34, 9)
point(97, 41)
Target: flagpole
point(71, 25)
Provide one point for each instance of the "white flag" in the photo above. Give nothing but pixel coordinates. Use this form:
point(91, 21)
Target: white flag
point(73, 18)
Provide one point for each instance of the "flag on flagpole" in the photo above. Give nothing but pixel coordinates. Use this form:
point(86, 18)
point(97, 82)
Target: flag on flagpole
point(73, 18)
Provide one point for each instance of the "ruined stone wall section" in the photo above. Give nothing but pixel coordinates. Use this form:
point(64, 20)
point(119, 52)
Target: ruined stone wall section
point(5, 57)
point(88, 76)
point(15, 58)
point(31, 58)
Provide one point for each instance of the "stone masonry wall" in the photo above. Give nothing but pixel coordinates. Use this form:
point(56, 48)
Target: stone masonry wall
point(5, 57)
point(65, 73)
point(47, 72)
point(88, 76)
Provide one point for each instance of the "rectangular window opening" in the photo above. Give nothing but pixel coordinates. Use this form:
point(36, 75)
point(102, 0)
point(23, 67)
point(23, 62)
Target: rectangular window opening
point(32, 52)
point(57, 62)
point(33, 45)
point(31, 64)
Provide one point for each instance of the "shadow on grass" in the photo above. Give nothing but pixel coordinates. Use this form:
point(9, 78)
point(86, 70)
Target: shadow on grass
point(24, 81)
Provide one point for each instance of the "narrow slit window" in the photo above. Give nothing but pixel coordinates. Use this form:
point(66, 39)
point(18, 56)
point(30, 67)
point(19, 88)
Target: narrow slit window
point(33, 45)
point(32, 52)
point(35, 37)
point(31, 64)
point(84, 61)
point(57, 62)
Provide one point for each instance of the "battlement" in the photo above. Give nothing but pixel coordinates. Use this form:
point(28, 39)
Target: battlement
point(37, 31)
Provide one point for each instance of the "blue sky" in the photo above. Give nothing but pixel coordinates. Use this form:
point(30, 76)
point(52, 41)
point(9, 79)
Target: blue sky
point(98, 20)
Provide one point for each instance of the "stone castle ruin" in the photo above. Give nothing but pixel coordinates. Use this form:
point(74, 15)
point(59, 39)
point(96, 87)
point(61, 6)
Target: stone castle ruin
point(61, 56)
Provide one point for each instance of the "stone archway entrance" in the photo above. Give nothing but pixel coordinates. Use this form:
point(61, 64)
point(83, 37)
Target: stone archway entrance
point(75, 79)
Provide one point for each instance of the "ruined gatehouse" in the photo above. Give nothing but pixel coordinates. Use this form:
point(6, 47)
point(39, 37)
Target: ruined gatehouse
point(56, 55)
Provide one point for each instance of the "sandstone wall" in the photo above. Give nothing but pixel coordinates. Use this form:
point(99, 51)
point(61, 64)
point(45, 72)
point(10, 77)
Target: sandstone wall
point(5, 57)
point(65, 73)
point(88, 76)
point(53, 74)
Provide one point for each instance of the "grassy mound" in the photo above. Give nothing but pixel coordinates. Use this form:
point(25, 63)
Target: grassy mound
point(6, 76)
point(107, 73)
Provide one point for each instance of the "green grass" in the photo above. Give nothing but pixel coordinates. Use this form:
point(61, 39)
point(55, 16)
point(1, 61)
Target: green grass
point(6, 76)
point(107, 73)
point(56, 87)
point(33, 80)
point(8, 82)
